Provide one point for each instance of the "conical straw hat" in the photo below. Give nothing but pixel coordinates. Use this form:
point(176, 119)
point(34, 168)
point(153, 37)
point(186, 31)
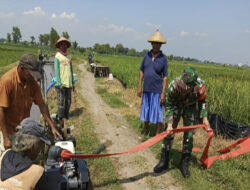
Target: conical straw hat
point(62, 39)
point(157, 37)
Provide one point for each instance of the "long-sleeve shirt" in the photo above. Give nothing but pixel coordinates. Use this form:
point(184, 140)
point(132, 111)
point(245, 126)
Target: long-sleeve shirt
point(63, 71)
point(180, 95)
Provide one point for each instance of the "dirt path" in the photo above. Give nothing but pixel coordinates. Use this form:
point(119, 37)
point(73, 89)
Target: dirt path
point(135, 170)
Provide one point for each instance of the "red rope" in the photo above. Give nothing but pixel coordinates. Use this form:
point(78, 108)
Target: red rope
point(207, 161)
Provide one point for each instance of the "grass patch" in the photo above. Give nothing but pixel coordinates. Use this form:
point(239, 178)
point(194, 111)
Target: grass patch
point(230, 174)
point(7, 68)
point(135, 123)
point(111, 99)
point(222, 82)
point(10, 53)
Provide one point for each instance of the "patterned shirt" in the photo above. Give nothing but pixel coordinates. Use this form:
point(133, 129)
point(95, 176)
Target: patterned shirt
point(180, 95)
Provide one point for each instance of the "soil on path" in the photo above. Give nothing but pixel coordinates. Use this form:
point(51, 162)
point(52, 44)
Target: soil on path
point(135, 170)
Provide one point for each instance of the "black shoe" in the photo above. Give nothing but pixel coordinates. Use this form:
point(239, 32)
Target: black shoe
point(164, 161)
point(185, 164)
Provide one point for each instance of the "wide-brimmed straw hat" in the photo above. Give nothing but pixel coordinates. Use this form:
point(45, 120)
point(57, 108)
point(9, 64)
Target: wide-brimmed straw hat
point(62, 39)
point(157, 37)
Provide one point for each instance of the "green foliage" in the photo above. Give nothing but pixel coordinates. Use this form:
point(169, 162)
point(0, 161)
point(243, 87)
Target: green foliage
point(119, 49)
point(53, 37)
point(16, 34)
point(8, 37)
point(123, 67)
point(132, 52)
point(112, 99)
point(32, 42)
point(65, 35)
point(104, 48)
point(81, 49)
point(228, 87)
point(44, 39)
point(12, 53)
point(230, 174)
point(74, 44)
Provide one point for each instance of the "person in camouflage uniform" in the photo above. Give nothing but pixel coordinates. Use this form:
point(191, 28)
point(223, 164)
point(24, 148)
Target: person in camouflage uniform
point(186, 98)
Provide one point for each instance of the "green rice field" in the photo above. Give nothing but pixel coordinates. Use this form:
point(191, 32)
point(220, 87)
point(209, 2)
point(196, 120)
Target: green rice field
point(228, 87)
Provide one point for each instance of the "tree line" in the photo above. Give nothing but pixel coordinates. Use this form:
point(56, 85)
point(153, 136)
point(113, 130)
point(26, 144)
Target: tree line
point(48, 40)
point(44, 40)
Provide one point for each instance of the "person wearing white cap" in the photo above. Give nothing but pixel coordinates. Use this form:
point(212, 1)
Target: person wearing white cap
point(154, 72)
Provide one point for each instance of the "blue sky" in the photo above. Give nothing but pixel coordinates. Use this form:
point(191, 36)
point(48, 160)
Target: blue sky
point(215, 30)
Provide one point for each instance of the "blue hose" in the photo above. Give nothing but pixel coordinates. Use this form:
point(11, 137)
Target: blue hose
point(53, 82)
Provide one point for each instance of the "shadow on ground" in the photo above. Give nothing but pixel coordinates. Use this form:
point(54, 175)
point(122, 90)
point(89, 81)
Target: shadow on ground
point(76, 112)
point(131, 179)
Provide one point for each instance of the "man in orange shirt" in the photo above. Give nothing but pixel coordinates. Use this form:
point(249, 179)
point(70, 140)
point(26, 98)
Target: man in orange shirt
point(18, 90)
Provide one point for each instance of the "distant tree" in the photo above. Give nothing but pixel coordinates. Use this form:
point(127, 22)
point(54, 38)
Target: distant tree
point(82, 49)
point(65, 35)
point(75, 45)
point(8, 37)
point(41, 40)
point(143, 52)
point(132, 52)
point(25, 43)
point(119, 48)
point(2, 40)
point(16, 34)
point(102, 48)
point(53, 37)
point(112, 50)
point(125, 51)
point(44, 39)
point(32, 42)
point(171, 57)
point(96, 47)
point(106, 48)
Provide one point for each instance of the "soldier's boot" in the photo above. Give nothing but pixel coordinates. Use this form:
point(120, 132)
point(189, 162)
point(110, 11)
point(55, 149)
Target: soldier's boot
point(185, 164)
point(164, 161)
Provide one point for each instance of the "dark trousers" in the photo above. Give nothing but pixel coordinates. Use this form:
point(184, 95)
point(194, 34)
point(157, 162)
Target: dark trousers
point(190, 116)
point(64, 102)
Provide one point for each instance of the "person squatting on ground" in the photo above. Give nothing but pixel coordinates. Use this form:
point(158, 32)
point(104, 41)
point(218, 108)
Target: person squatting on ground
point(64, 77)
point(16, 164)
point(186, 98)
point(154, 72)
point(18, 90)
